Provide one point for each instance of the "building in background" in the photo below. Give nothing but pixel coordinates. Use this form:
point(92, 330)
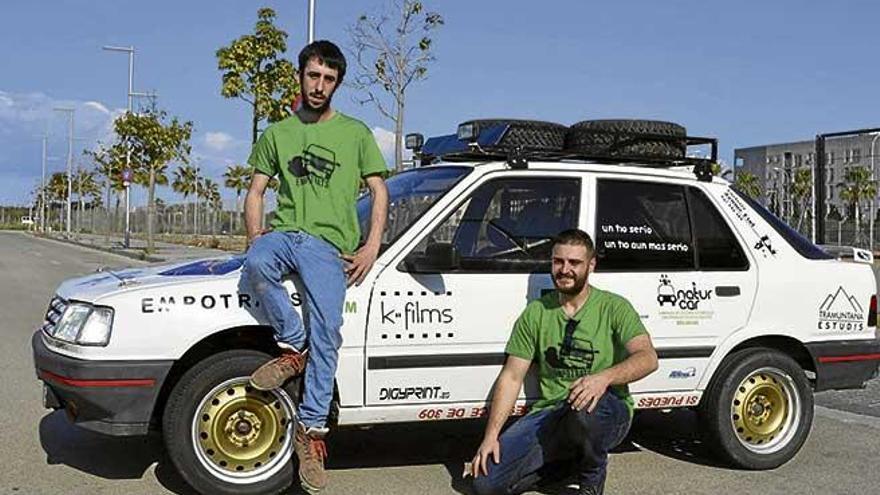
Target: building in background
point(775, 166)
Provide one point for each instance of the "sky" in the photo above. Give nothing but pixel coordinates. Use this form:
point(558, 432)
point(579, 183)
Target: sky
point(747, 72)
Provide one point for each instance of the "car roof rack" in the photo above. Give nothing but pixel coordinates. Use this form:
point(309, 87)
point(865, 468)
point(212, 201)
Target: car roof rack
point(485, 144)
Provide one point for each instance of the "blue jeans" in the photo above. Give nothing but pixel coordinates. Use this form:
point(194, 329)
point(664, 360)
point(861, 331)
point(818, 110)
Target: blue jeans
point(317, 262)
point(544, 443)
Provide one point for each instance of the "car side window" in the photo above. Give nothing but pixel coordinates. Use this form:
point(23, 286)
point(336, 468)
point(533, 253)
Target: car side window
point(507, 225)
point(717, 247)
point(642, 226)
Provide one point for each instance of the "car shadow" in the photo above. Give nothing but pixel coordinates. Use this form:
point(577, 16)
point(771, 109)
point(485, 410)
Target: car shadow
point(114, 458)
point(673, 434)
point(93, 453)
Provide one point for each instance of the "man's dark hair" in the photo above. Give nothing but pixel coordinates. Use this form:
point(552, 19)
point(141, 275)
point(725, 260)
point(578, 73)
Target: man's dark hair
point(329, 55)
point(575, 237)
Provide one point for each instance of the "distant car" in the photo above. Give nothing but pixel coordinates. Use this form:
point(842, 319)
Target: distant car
point(27, 221)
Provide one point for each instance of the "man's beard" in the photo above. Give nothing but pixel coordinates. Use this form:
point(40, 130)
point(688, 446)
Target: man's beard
point(578, 286)
point(309, 114)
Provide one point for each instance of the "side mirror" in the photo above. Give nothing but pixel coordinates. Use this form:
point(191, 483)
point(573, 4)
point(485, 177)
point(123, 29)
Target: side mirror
point(439, 257)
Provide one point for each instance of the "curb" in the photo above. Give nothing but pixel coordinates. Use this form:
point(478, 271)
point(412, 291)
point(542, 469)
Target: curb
point(139, 255)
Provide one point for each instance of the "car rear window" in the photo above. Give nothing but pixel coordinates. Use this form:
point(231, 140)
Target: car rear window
point(794, 238)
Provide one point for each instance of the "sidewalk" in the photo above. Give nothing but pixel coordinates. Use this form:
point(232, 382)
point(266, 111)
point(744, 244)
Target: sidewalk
point(163, 252)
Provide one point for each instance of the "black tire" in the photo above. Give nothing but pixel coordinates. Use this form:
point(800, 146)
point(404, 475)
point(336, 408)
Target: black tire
point(256, 462)
point(627, 138)
point(531, 135)
point(752, 392)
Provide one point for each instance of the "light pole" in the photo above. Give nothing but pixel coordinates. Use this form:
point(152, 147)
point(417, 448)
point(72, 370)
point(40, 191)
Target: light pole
point(196, 209)
point(43, 190)
point(131, 94)
point(70, 112)
point(873, 196)
point(311, 21)
point(130, 51)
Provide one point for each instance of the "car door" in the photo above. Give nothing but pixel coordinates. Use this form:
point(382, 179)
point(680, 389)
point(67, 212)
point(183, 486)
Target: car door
point(438, 334)
point(664, 246)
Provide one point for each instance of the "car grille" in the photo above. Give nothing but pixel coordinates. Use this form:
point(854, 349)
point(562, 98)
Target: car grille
point(53, 315)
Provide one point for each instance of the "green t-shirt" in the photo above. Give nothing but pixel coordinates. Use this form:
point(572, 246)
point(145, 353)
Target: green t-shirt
point(319, 167)
point(606, 322)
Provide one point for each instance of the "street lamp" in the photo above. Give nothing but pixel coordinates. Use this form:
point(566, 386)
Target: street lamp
point(873, 196)
point(131, 94)
point(311, 21)
point(43, 190)
point(70, 112)
point(196, 209)
point(127, 171)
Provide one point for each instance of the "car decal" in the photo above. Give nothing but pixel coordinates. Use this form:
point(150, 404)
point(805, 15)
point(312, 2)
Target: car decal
point(207, 267)
point(841, 311)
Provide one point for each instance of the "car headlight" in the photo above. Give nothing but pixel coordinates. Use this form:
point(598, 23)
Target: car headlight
point(85, 324)
point(97, 328)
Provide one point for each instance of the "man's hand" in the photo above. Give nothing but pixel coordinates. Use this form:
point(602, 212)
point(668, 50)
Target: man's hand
point(360, 263)
point(489, 447)
point(587, 390)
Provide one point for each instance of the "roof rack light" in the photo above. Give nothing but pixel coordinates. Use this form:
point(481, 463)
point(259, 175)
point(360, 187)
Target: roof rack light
point(469, 132)
point(414, 141)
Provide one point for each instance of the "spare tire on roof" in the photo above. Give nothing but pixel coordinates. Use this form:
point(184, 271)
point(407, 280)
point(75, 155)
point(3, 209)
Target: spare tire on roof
point(533, 135)
point(652, 139)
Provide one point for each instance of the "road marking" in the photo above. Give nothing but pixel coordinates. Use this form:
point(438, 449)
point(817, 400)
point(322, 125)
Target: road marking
point(56, 263)
point(849, 417)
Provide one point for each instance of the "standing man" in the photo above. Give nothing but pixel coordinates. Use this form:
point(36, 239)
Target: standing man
point(320, 157)
point(587, 345)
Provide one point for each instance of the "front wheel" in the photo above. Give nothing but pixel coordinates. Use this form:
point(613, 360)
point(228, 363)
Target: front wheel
point(225, 437)
point(758, 409)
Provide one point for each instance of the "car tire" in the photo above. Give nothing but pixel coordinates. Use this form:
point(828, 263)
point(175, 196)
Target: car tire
point(627, 138)
point(225, 437)
point(531, 135)
point(758, 409)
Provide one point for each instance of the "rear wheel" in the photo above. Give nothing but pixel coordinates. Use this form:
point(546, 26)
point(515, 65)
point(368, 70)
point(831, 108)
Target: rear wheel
point(758, 409)
point(225, 437)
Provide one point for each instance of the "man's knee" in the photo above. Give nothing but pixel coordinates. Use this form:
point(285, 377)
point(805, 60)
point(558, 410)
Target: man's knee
point(260, 263)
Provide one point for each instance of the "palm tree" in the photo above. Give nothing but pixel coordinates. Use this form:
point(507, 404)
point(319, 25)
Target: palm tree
point(856, 188)
point(210, 192)
point(748, 183)
point(57, 193)
point(802, 190)
point(237, 179)
point(184, 183)
point(86, 187)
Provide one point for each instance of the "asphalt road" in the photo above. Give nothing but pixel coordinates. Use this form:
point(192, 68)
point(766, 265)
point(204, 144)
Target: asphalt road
point(42, 453)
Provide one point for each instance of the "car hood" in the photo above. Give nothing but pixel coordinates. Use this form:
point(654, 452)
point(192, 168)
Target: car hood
point(91, 287)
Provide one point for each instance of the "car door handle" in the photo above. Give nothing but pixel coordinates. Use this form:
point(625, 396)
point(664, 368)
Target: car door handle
point(727, 290)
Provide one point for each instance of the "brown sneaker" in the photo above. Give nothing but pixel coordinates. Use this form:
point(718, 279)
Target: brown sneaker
point(274, 373)
point(311, 451)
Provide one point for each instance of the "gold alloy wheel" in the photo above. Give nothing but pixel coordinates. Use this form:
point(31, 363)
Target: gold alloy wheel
point(241, 434)
point(765, 410)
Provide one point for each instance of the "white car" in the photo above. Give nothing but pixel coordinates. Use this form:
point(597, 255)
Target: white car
point(748, 317)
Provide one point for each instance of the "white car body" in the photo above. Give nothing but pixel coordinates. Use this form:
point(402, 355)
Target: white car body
point(424, 346)
point(160, 317)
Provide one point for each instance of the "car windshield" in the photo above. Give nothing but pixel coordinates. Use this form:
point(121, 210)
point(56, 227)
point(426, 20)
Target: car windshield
point(410, 193)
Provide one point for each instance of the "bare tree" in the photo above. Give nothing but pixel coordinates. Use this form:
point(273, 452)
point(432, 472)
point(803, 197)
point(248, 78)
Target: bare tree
point(393, 50)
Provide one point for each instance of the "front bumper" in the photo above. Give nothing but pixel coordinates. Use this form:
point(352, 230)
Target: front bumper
point(844, 364)
point(110, 397)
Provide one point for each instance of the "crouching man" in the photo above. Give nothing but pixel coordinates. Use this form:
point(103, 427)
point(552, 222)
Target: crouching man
point(587, 345)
